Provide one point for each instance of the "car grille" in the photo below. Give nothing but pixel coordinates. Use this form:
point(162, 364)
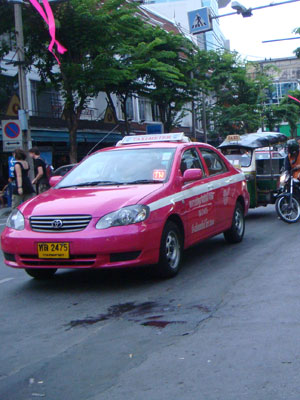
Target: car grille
point(80, 261)
point(59, 223)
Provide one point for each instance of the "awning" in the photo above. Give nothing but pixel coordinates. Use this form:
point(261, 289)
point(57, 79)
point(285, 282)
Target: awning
point(82, 137)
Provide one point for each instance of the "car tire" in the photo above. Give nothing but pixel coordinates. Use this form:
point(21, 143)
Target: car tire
point(41, 273)
point(171, 248)
point(236, 233)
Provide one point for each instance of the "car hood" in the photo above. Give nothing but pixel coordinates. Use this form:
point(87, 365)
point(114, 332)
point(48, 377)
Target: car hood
point(93, 201)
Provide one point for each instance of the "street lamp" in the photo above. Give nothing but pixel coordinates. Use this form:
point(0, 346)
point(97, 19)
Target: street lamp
point(246, 12)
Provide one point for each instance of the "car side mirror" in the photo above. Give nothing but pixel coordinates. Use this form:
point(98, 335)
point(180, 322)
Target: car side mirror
point(194, 174)
point(54, 180)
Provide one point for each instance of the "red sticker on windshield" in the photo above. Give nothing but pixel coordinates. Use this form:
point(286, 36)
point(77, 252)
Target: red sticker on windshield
point(159, 174)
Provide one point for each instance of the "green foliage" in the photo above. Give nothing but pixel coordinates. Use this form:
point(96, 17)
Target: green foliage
point(239, 92)
point(6, 28)
point(289, 111)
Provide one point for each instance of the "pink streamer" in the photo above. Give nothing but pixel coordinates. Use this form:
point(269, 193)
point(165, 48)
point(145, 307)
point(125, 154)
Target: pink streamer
point(294, 98)
point(48, 17)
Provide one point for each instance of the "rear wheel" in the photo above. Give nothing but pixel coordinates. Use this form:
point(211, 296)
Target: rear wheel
point(288, 213)
point(40, 273)
point(170, 251)
point(236, 233)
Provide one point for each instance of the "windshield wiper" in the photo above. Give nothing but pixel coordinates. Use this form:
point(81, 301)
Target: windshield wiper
point(93, 183)
point(141, 181)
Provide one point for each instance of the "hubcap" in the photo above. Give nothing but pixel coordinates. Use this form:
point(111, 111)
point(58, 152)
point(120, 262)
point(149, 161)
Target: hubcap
point(172, 250)
point(239, 222)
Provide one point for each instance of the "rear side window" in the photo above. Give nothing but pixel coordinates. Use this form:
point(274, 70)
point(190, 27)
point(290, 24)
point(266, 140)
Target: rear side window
point(214, 162)
point(190, 159)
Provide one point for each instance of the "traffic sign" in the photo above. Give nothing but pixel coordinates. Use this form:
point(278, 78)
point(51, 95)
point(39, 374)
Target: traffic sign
point(199, 21)
point(154, 127)
point(11, 135)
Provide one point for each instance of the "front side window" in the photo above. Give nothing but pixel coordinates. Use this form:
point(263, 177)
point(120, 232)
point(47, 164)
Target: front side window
point(214, 162)
point(122, 167)
point(190, 159)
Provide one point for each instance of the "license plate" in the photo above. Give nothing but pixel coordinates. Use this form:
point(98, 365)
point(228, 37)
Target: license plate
point(53, 250)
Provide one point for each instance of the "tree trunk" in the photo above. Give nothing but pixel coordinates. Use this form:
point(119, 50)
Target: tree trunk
point(72, 121)
point(73, 144)
point(111, 105)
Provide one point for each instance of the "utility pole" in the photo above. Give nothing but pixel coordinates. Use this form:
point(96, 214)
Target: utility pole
point(193, 113)
point(23, 112)
point(204, 124)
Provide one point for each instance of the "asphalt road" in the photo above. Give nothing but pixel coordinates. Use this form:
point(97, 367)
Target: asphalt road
point(226, 328)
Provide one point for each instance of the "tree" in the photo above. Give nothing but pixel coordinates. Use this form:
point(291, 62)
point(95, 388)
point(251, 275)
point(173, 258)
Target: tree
point(289, 111)
point(168, 76)
point(239, 95)
point(273, 116)
point(86, 28)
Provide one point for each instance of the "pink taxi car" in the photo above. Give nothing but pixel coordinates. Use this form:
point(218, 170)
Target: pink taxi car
point(140, 203)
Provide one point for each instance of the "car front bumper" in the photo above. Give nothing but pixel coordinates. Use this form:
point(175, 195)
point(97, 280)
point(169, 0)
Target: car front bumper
point(116, 247)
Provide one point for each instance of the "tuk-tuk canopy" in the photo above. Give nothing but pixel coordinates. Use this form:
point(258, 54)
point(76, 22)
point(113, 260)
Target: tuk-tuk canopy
point(253, 140)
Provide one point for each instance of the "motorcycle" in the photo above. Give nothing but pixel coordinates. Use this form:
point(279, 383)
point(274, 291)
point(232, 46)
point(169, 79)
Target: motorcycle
point(287, 203)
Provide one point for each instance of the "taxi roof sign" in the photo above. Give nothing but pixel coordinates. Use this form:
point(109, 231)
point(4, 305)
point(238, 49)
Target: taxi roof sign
point(233, 138)
point(164, 137)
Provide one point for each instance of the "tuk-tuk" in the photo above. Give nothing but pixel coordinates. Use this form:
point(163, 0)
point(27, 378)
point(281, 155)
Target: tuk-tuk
point(261, 157)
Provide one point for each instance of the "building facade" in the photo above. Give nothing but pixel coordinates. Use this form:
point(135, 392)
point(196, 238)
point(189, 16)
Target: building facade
point(285, 74)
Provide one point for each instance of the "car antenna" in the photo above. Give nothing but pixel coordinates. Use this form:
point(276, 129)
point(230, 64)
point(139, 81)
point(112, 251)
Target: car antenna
point(102, 139)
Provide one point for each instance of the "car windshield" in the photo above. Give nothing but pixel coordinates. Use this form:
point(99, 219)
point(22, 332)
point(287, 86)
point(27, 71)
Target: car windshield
point(122, 167)
point(238, 157)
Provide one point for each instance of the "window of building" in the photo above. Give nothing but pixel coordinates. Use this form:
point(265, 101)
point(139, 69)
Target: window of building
point(279, 90)
point(129, 109)
point(8, 39)
point(145, 109)
point(8, 87)
point(45, 102)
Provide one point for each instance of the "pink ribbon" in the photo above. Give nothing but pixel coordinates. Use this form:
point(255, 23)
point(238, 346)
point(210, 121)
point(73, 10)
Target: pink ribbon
point(48, 17)
point(294, 98)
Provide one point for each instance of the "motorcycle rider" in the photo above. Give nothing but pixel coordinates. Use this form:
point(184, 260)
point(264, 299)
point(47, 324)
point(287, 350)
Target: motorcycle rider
point(292, 161)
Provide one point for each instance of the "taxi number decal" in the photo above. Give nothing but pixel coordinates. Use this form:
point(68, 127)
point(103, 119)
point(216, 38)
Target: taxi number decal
point(159, 174)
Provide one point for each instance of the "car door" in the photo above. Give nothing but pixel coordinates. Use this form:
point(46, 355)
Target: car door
point(199, 199)
point(222, 183)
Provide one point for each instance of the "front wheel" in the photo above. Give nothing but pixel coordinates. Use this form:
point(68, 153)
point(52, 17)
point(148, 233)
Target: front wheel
point(41, 273)
point(236, 233)
point(288, 213)
point(170, 251)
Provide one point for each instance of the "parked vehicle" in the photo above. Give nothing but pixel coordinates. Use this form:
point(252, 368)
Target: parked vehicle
point(288, 200)
point(63, 170)
point(259, 157)
point(139, 203)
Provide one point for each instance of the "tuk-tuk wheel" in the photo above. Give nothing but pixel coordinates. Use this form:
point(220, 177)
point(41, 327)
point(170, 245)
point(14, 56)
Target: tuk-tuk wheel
point(236, 232)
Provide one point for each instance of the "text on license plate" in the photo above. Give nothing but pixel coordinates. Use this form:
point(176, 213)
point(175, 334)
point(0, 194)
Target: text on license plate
point(54, 250)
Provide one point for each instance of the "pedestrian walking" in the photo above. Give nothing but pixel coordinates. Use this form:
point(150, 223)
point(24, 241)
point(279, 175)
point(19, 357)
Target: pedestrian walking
point(22, 188)
point(41, 178)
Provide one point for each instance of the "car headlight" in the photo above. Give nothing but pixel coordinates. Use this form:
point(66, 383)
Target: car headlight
point(125, 216)
point(16, 220)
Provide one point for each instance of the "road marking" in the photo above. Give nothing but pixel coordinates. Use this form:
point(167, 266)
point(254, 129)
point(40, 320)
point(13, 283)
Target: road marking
point(6, 280)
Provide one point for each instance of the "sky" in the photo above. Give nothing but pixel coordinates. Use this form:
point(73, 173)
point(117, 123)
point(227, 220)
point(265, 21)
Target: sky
point(277, 22)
